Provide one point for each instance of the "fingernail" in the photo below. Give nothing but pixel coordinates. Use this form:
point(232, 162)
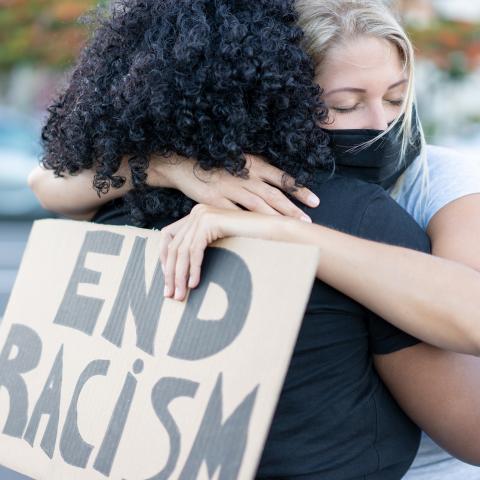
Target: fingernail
point(166, 291)
point(177, 295)
point(304, 218)
point(313, 200)
point(190, 282)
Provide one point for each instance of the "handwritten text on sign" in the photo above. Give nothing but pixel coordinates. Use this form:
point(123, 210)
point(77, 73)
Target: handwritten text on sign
point(125, 319)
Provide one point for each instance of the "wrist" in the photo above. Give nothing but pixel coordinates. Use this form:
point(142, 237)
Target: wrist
point(284, 229)
point(159, 172)
point(296, 231)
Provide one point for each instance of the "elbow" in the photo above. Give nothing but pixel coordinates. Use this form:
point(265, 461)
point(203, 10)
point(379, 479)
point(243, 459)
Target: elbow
point(31, 179)
point(38, 184)
point(40, 198)
point(33, 182)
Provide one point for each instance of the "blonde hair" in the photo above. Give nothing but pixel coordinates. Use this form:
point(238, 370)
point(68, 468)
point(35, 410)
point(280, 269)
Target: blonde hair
point(329, 23)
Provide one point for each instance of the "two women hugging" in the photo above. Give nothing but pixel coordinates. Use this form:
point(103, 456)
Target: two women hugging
point(217, 118)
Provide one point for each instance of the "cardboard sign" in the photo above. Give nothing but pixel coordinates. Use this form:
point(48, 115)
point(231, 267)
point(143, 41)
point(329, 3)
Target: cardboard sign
point(101, 377)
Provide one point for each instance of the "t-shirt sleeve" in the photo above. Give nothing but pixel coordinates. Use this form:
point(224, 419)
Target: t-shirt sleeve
point(386, 222)
point(452, 175)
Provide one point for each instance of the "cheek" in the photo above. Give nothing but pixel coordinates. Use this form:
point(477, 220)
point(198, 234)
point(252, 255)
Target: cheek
point(393, 111)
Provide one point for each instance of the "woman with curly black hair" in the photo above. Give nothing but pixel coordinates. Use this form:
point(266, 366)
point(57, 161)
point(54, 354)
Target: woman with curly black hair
point(214, 79)
point(144, 86)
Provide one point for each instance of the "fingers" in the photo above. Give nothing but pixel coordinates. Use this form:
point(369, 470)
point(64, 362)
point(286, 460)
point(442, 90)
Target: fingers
point(276, 199)
point(249, 199)
point(306, 196)
point(227, 204)
point(170, 251)
point(166, 236)
point(169, 270)
point(197, 252)
point(276, 177)
point(182, 249)
point(182, 266)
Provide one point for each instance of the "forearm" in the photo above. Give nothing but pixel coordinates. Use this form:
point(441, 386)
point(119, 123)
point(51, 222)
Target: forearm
point(434, 299)
point(71, 195)
point(74, 195)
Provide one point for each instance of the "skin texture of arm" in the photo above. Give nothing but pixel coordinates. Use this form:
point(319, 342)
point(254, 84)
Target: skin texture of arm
point(440, 391)
point(433, 299)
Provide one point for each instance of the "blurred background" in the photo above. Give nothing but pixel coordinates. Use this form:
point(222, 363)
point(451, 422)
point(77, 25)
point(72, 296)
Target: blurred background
point(39, 40)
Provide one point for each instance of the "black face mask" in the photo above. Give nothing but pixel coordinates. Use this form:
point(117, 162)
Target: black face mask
point(379, 162)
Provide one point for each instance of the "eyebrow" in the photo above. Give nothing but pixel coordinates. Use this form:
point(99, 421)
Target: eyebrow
point(361, 90)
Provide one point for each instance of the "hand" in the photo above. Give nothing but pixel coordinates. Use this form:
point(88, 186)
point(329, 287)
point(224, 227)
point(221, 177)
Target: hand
point(261, 192)
point(183, 242)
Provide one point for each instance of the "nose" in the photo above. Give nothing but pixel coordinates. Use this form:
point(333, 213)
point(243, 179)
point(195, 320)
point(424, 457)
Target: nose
point(377, 117)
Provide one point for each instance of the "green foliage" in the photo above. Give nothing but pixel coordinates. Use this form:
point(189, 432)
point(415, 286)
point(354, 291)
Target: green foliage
point(41, 32)
point(47, 33)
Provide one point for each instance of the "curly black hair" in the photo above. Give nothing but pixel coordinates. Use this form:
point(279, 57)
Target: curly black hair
point(206, 79)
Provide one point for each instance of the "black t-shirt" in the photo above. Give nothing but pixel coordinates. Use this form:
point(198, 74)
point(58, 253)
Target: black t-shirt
point(335, 419)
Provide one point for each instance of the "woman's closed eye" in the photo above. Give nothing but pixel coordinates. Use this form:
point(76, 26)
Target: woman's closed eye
point(349, 109)
point(345, 109)
point(395, 102)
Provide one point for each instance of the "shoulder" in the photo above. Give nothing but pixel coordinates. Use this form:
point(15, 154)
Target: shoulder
point(366, 210)
point(447, 167)
point(343, 201)
point(451, 176)
point(435, 179)
point(443, 159)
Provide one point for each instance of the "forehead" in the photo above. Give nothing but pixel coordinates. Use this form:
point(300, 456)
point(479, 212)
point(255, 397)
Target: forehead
point(363, 62)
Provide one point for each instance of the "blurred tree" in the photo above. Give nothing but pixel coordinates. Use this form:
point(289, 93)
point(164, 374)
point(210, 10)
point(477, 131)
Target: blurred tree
point(454, 46)
point(47, 33)
point(41, 32)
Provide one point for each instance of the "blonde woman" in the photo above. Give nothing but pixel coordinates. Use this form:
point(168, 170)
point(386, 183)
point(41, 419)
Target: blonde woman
point(365, 66)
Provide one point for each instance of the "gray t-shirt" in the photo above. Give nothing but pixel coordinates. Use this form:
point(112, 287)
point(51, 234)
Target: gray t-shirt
point(451, 176)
